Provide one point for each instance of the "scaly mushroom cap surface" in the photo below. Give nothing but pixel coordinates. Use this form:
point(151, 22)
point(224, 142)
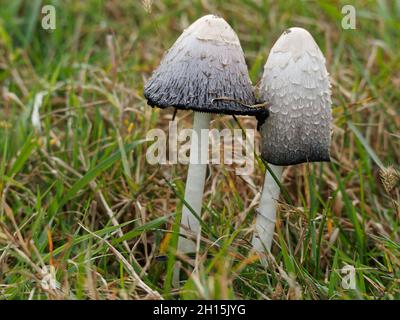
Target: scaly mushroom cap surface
point(205, 62)
point(296, 85)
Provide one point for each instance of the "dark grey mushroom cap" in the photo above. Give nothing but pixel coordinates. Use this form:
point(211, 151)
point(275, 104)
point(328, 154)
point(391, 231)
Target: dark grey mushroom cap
point(296, 86)
point(206, 62)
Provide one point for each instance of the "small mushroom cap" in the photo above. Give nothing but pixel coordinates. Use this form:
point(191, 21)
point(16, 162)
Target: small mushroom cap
point(205, 62)
point(296, 85)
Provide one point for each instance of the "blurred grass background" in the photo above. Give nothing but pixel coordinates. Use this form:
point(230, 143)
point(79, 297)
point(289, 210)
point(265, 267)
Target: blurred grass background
point(79, 202)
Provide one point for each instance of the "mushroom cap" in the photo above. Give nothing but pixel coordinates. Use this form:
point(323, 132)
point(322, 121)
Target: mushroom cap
point(296, 85)
point(205, 62)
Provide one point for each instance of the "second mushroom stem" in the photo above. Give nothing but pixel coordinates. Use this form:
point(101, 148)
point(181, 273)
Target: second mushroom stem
point(266, 217)
point(195, 182)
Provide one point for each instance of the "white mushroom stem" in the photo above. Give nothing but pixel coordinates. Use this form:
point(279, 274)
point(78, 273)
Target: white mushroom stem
point(194, 183)
point(194, 190)
point(266, 217)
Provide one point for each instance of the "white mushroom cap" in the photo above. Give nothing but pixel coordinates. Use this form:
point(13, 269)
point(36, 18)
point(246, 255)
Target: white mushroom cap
point(209, 28)
point(296, 85)
point(205, 62)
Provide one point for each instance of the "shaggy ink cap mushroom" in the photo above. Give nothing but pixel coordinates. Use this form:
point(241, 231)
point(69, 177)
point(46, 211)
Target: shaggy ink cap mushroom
point(296, 86)
point(206, 62)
